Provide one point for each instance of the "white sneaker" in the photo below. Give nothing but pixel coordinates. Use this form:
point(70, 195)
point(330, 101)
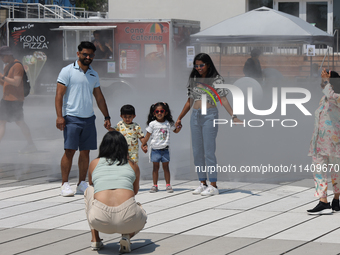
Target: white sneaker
point(210, 191)
point(96, 246)
point(125, 245)
point(200, 189)
point(66, 190)
point(81, 188)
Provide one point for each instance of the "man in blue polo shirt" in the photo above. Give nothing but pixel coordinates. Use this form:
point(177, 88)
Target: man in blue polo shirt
point(76, 85)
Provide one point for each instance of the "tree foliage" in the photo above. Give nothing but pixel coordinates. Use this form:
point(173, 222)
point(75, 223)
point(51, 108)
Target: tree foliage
point(93, 5)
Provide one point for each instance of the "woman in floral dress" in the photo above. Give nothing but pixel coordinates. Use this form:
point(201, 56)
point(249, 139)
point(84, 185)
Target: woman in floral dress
point(325, 145)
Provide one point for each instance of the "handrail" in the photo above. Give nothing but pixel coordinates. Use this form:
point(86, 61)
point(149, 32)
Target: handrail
point(48, 11)
point(60, 10)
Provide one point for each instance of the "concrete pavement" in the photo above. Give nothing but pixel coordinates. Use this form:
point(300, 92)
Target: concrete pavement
point(246, 218)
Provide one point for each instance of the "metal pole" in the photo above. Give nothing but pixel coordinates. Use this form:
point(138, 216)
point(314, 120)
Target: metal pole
point(333, 58)
point(337, 42)
point(170, 49)
point(324, 58)
point(220, 57)
point(328, 59)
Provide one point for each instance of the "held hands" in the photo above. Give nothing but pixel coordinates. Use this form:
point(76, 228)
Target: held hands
point(144, 141)
point(107, 125)
point(178, 126)
point(144, 148)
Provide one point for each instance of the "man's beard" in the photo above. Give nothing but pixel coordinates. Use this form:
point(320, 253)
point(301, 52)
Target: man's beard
point(86, 62)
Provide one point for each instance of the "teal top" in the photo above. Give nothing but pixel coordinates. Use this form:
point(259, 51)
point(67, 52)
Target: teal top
point(105, 176)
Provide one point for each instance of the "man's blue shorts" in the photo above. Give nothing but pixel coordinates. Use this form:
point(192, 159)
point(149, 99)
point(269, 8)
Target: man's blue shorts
point(161, 155)
point(80, 133)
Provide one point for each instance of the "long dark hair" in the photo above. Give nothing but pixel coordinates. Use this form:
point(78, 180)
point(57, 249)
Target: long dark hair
point(166, 107)
point(114, 147)
point(335, 81)
point(205, 58)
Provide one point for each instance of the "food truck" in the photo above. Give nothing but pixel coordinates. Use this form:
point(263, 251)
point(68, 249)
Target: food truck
point(129, 53)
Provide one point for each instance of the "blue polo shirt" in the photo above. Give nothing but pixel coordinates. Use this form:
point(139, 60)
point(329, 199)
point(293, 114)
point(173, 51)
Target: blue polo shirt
point(78, 99)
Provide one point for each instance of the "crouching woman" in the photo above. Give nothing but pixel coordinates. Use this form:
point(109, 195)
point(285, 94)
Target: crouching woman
point(110, 200)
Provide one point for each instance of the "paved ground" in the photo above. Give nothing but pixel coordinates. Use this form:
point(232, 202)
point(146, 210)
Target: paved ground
point(246, 218)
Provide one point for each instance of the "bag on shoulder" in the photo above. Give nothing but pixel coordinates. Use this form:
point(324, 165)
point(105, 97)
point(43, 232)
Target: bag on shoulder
point(25, 80)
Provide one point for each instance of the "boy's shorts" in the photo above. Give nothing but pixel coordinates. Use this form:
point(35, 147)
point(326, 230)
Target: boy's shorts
point(133, 157)
point(80, 133)
point(160, 155)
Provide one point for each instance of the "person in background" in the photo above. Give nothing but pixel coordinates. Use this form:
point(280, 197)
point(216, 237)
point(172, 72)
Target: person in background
point(252, 67)
point(325, 145)
point(110, 200)
point(77, 84)
point(103, 52)
point(11, 105)
point(155, 62)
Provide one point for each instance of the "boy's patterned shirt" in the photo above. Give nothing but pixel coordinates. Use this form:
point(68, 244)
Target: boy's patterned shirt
point(132, 132)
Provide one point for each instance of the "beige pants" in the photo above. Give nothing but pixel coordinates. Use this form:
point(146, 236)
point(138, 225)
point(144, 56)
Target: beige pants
point(127, 218)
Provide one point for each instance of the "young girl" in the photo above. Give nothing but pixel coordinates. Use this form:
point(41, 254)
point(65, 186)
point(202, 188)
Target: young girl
point(159, 124)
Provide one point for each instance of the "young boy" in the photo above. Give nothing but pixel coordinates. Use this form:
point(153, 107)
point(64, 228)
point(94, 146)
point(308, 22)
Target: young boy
point(131, 131)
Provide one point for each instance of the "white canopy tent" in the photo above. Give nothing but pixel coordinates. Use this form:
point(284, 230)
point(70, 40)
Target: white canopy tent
point(263, 26)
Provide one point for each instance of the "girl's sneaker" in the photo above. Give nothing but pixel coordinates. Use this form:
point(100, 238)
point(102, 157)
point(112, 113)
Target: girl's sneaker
point(153, 189)
point(200, 189)
point(210, 191)
point(169, 189)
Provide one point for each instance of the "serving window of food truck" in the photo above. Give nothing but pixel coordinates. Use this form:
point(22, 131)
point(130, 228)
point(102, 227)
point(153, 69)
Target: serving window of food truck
point(101, 36)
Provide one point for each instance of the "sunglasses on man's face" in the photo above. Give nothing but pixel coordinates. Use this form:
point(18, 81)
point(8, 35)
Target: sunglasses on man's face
point(85, 55)
point(159, 111)
point(199, 66)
